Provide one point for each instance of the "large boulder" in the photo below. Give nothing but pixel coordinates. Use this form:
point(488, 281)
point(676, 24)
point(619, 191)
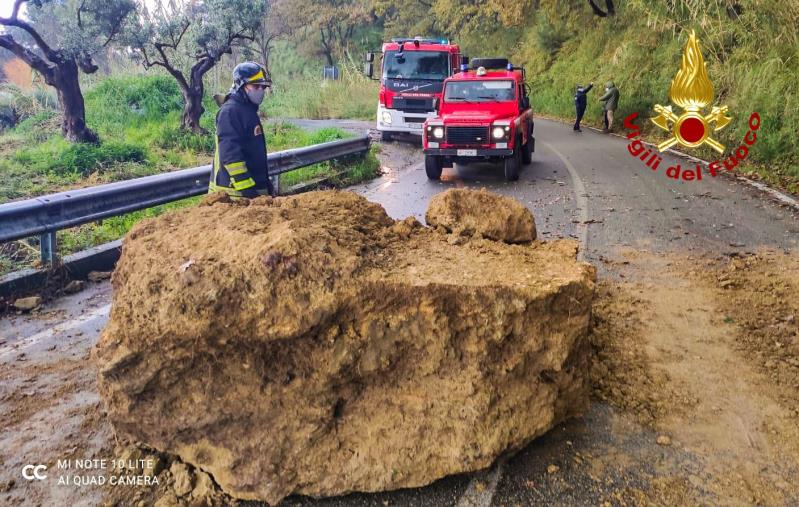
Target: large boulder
point(469, 213)
point(313, 345)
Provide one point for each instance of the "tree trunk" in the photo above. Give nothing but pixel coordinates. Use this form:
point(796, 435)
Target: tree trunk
point(327, 48)
point(263, 48)
point(70, 99)
point(192, 110)
point(329, 57)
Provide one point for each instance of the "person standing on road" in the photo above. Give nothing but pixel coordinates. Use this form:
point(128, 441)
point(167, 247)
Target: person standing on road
point(580, 103)
point(611, 100)
point(240, 165)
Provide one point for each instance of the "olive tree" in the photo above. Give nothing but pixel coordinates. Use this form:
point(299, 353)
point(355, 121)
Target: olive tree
point(188, 38)
point(58, 38)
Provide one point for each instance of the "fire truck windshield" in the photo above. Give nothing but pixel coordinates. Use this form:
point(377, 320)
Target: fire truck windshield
point(479, 91)
point(423, 65)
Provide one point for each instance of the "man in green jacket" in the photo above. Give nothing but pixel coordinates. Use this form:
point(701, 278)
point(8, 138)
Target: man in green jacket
point(611, 100)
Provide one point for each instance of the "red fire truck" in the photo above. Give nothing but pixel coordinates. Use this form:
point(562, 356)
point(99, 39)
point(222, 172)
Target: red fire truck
point(412, 77)
point(485, 115)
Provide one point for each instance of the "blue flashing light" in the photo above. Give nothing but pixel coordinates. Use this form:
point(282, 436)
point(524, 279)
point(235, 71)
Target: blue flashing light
point(444, 41)
point(510, 66)
point(464, 67)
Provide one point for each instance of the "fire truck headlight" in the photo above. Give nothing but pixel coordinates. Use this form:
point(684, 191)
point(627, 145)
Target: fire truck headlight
point(499, 132)
point(438, 132)
point(386, 117)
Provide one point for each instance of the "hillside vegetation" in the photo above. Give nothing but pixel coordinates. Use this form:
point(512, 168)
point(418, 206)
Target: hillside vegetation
point(752, 55)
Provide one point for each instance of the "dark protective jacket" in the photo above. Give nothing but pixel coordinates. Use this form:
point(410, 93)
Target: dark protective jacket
point(240, 163)
point(580, 100)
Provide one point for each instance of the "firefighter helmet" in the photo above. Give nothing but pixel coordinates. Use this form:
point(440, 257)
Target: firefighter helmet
point(249, 73)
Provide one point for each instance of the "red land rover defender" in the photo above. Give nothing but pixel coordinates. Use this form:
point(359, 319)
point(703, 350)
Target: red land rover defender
point(484, 115)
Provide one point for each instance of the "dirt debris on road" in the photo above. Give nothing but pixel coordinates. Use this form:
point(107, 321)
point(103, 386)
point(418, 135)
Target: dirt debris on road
point(315, 329)
point(759, 294)
point(708, 365)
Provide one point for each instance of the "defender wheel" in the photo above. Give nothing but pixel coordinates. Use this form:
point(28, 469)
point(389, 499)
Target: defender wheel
point(433, 166)
point(385, 136)
point(527, 151)
point(513, 163)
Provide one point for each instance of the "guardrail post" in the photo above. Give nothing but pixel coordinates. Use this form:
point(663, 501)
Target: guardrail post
point(48, 247)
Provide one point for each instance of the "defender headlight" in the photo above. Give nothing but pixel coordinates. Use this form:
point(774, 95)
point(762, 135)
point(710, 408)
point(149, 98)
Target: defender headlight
point(386, 117)
point(499, 132)
point(438, 132)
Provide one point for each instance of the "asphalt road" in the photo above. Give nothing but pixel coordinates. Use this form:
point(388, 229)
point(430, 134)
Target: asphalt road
point(585, 186)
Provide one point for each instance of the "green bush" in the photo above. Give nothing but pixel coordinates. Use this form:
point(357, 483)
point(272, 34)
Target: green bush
point(171, 136)
point(35, 124)
point(59, 157)
point(550, 37)
point(325, 135)
point(16, 105)
point(122, 100)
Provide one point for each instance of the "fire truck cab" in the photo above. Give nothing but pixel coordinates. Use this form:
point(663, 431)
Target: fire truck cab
point(484, 115)
point(412, 77)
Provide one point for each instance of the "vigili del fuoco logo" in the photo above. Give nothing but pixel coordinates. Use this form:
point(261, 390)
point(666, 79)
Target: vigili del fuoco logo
point(692, 91)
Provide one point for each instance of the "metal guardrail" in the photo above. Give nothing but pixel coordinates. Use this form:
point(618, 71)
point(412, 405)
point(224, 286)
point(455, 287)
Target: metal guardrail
point(45, 215)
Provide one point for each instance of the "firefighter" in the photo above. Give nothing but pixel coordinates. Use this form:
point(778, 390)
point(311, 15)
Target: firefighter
point(580, 103)
point(240, 164)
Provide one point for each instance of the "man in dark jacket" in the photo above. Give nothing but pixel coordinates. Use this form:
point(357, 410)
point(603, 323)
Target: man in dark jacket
point(580, 102)
point(240, 164)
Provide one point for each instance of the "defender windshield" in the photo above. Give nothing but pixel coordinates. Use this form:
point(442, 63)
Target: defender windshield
point(480, 91)
point(430, 65)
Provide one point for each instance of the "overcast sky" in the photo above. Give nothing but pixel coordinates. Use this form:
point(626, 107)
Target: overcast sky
point(6, 6)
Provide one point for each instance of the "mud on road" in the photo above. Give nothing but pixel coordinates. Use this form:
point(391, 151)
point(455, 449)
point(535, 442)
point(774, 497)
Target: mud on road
point(694, 390)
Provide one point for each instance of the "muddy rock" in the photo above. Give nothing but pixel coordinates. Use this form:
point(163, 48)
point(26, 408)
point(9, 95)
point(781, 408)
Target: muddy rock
point(327, 348)
point(28, 304)
point(98, 276)
point(74, 286)
point(184, 481)
point(468, 212)
point(168, 500)
point(153, 465)
point(204, 488)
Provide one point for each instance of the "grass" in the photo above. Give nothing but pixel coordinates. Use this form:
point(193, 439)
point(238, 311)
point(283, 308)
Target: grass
point(339, 172)
point(353, 96)
point(137, 118)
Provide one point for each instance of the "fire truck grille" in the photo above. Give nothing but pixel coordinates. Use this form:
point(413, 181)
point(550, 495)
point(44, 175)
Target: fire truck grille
point(467, 135)
point(406, 104)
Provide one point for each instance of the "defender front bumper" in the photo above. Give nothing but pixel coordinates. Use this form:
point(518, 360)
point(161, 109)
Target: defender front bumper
point(467, 152)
